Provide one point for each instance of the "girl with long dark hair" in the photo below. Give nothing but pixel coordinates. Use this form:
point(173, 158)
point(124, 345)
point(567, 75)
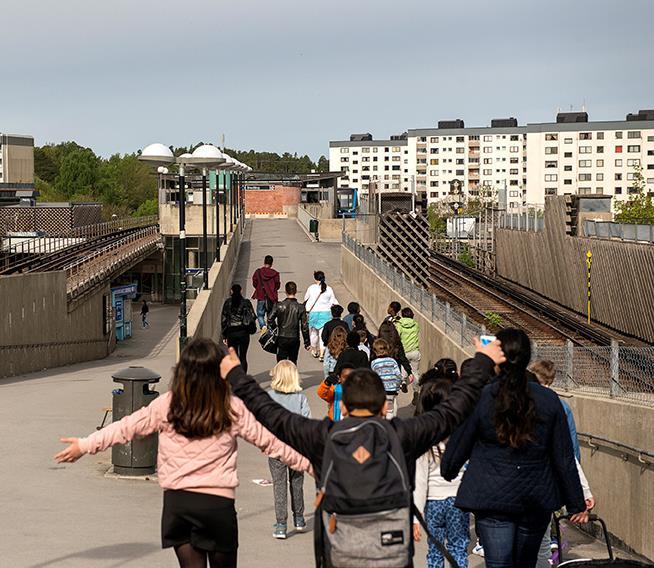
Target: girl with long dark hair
point(198, 422)
point(238, 322)
point(522, 465)
point(318, 301)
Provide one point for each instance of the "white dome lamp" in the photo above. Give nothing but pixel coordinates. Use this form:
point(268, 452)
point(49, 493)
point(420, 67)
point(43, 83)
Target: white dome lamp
point(157, 154)
point(207, 155)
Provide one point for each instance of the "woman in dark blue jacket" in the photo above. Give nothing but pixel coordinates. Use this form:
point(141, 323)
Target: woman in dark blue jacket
point(522, 466)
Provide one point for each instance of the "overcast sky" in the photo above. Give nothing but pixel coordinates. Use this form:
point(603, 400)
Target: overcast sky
point(290, 75)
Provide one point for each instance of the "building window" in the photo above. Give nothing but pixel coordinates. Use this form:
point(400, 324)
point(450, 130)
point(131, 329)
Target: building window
point(567, 182)
point(567, 168)
point(433, 162)
point(514, 172)
point(345, 150)
point(487, 172)
point(618, 149)
point(617, 190)
point(650, 138)
point(585, 163)
point(567, 141)
point(460, 150)
point(433, 139)
point(346, 159)
point(488, 138)
point(397, 149)
point(600, 163)
point(618, 135)
point(600, 149)
point(599, 190)
point(488, 160)
point(585, 136)
point(585, 191)
point(433, 172)
point(618, 177)
point(514, 138)
point(633, 134)
point(397, 159)
point(550, 191)
point(634, 162)
point(365, 158)
point(633, 149)
point(551, 164)
point(551, 177)
point(514, 160)
point(365, 150)
point(618, 163)
point(630, 177)
point(600, 136)
point(514, 149)
point(585, 149)
point(551, 150)
point(374, 150)
point(599, 177)
point(585, 177)
point(550, 137)
point(488, 149)
point(567, 154)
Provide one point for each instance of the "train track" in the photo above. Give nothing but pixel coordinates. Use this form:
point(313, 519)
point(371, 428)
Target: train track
point(478, 294)
point(70, 255)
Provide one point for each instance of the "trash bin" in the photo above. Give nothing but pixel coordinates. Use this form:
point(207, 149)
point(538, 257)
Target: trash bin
point(313, 226)
point(138, 457)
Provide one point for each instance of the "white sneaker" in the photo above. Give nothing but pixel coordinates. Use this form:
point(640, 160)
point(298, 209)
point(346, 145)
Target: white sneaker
point(478, 550)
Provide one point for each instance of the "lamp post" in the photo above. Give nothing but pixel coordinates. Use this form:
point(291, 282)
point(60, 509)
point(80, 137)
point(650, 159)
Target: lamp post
point(206, 156)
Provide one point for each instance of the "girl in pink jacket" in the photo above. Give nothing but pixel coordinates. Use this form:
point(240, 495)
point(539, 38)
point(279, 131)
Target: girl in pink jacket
point(198, 421)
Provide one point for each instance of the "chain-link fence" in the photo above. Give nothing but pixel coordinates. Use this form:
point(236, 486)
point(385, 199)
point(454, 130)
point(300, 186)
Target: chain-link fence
point(625, 373)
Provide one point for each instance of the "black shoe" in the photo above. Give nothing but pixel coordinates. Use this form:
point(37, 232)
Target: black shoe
point(404, 387)
point(414, 402)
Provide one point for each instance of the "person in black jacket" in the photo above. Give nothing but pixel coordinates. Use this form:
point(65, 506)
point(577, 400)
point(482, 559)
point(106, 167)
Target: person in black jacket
point(238, 322)
point(290, 318)
point(352, 355)
point(331, 325)
point(417, 435)
point(521, 463)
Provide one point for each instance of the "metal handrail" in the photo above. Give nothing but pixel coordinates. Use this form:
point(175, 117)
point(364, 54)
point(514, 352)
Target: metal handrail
point(597, 442)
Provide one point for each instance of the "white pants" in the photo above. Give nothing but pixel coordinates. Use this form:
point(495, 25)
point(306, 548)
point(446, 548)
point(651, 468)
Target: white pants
point(316, 340)
point(414, 360)
point(391, 405)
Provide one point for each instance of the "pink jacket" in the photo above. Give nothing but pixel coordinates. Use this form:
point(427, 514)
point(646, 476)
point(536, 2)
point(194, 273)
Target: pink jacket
point(206, 465)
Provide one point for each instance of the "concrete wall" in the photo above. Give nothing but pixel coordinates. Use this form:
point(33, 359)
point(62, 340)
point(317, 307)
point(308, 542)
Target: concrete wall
point(37, 330)
point(623, 488)
point(281, 200)
point(169, 219)
point(374, 295)
point(204, 316)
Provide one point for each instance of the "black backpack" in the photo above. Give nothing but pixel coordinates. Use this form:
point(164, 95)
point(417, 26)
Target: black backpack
point(363, 516)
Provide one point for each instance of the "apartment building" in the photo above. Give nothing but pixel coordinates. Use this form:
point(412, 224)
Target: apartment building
point(477, 160)
point(576, 157)
point(520, 165)
point(384, 164)
point(16, 159)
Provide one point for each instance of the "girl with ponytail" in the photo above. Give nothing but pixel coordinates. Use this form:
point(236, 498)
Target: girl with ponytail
point(318, 301)
point(521, 462)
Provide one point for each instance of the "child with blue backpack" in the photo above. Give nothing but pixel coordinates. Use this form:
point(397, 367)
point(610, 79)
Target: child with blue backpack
point(390, 374)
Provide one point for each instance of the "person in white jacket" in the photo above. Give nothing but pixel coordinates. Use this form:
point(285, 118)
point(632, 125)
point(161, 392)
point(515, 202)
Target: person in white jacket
point(434, 497)
point(318, 300)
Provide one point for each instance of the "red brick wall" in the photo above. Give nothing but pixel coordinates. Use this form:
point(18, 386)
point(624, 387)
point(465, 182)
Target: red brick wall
point(271, 201)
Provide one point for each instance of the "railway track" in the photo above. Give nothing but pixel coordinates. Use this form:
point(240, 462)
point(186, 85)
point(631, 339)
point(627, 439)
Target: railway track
point(478, 294)
point(65, 257)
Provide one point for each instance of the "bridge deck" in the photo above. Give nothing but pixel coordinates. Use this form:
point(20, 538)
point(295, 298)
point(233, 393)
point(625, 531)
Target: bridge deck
point(71, 515)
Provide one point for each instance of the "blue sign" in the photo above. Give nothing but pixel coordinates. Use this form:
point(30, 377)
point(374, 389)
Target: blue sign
point(119, 310)
point(127, 290)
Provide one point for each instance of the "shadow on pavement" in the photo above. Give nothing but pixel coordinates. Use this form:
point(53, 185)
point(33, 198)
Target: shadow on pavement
point(120, 552)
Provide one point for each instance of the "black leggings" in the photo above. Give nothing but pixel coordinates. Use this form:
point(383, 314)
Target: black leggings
point(191, 557)
point(240, 341)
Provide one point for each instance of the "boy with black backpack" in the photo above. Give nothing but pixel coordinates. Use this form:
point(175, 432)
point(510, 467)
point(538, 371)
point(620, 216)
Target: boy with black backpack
point(365, 464)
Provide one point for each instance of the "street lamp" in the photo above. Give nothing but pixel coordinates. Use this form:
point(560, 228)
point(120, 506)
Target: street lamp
point(206, 156)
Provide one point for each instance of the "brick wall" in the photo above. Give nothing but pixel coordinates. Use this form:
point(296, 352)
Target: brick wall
point(278, 201)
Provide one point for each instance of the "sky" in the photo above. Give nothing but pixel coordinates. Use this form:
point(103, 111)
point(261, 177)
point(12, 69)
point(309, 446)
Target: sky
point(291, 75)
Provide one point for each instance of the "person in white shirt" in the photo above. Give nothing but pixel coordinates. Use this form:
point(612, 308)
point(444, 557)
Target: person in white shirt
point(318, 300)
point(434, 497)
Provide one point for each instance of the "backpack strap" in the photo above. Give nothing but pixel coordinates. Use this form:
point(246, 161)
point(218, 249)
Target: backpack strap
point(437, 543)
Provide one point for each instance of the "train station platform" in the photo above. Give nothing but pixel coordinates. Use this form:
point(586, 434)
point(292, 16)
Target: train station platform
point(74, 515)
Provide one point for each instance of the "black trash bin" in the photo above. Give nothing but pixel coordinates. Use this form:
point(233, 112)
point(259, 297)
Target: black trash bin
point(313, 226)
point(139, 457)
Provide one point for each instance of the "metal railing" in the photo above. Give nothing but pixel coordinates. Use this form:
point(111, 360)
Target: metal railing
point(526, 221)
point(624, 373)
point(621, 231)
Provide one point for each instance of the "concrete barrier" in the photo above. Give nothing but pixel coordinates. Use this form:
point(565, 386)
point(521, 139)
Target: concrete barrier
point(374, 294)
point(39, 329)
point(622, 486)
point(203, 319)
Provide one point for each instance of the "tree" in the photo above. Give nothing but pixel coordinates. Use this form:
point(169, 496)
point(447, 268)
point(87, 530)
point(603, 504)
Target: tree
point(78, 174)
point(639, 208)
point(323, 164)
point(147, 208)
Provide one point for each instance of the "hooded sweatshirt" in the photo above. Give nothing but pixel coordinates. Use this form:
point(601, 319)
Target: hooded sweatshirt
point(409, 331)
point(265, 281)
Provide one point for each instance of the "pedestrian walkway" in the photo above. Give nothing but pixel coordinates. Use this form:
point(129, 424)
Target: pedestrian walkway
point(72, 515)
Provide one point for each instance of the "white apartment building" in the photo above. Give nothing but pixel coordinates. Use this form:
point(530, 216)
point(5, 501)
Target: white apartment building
point(580, 157)
point(365, 161)
point(520, 164)
point(489, 158)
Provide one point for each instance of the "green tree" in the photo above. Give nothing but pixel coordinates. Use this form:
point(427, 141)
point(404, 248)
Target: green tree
point(78, 174)
point(147, 208)
point(639, 208)
point(323, 164)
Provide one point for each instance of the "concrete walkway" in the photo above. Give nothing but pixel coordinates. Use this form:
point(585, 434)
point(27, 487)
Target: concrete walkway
point(72, 515)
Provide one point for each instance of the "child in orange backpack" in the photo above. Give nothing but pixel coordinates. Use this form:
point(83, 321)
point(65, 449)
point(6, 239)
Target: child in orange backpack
point(331, 391)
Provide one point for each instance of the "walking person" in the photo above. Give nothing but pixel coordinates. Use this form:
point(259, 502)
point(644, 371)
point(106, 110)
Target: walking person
point(285, 389)
point(238, 322)
point(388, 331)
point(333, 323)
point(521, 463)
point(266, 283)
point(434, 497)
point(290, 318)
point(352, 355)
point(359, 324)
point(353, 309)
point(393, 312)
point(145, 310)
point(318, 300)
point(336, 345)
point(390, 374)
point(409, 332)
point(198, 422)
